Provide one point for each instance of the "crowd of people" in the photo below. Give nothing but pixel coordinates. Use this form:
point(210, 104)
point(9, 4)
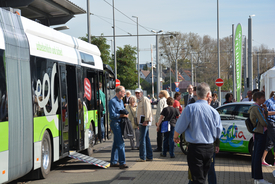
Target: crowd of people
point(199, 121)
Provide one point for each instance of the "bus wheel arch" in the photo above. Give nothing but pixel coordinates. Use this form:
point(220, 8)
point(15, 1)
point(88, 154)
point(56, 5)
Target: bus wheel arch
point(46, 154)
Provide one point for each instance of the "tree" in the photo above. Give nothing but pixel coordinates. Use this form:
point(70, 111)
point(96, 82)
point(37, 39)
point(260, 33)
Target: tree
point(104, 48)
point(126, 70)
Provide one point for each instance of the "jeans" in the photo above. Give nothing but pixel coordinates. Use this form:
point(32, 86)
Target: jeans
point(118, 149)
point(169, 137)
point(102, 127)
point(211, 173)
point(145, 149)
point(256, 163)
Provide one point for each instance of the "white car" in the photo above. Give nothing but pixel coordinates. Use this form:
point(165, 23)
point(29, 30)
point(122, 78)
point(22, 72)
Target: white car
point(235, 136)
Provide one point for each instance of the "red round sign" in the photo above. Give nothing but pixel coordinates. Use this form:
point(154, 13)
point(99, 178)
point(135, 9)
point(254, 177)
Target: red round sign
point(219, 82)
point(117, 82)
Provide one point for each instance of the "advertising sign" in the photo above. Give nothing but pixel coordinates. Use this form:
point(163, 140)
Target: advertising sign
point(238, 59)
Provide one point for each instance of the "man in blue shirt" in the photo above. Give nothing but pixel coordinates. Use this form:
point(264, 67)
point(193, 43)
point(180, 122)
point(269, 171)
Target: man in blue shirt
point(118, 149)
point(202, 125)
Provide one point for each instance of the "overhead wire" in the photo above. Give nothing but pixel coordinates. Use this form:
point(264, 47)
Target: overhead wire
point(112, 24)
point(127, 16)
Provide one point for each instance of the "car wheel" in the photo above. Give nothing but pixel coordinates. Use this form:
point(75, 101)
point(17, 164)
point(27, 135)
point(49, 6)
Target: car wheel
point(46, 155)
point(183, 145)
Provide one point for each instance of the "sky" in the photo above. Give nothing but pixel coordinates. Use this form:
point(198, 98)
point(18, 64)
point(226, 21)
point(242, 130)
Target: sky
point(196, 16)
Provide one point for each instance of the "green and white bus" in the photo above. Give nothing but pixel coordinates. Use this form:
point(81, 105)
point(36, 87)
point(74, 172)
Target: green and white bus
point(48, 96)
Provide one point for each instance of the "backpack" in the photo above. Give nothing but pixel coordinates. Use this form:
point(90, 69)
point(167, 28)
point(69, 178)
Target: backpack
point(249, 125)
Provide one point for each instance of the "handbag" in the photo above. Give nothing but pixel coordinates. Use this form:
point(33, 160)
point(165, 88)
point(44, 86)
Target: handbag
point(165, 127)
point(135, 118)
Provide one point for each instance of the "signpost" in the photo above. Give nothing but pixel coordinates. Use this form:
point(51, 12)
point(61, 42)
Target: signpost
point(177, 84)
point(219, 82)
point(117, 82)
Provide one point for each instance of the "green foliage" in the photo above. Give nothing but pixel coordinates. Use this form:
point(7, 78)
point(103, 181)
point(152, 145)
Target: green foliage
point(126, 70)
point(104, 48)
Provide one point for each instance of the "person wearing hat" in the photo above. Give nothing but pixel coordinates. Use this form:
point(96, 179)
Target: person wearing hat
point(144, 118)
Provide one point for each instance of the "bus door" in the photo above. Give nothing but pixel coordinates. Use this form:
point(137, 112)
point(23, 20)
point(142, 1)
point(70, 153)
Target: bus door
point(64, 125)
point(72, 108)
point(94, 102)
point(80, 96)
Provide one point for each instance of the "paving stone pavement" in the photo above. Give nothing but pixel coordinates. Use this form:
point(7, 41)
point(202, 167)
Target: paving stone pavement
point(230, 168)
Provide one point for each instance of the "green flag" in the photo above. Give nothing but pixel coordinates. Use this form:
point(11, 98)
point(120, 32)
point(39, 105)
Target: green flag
point(238, 59)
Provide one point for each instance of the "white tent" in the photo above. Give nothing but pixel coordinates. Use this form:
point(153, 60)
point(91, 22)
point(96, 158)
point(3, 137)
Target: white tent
point(268, 81)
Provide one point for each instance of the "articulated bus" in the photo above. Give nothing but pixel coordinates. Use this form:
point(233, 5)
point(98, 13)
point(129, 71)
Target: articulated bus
point(49, 104)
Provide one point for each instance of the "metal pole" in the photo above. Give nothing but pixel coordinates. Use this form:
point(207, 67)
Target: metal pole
point(170, 79)
point(152, 67)
point(218, 46)
point(192, 69)
point(176, 70)
point(88, 21)
point(234, 63)
point(138, 53)
point(157, 63)
point(114, 36)
point(258, 63)
point(245, 67)
point(250, 56)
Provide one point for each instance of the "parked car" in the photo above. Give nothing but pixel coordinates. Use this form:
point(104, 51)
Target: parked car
point(235, 136)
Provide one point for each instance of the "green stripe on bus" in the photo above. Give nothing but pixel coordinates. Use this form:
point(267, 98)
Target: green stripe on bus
point(40, 124)
point(4, 136)
point(92, 116)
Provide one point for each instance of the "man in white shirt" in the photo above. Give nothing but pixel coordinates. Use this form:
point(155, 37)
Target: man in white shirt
point(249, 96)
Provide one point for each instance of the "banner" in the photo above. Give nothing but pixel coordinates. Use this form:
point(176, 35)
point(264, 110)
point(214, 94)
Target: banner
point(238, 60)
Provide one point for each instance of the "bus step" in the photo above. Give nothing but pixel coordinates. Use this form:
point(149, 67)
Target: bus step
point(90, 160)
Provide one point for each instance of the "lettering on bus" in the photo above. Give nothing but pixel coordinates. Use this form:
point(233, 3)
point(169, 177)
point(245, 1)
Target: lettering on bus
point(232, 133)
point(47, 48)
point(43, 101)
point(87, 89)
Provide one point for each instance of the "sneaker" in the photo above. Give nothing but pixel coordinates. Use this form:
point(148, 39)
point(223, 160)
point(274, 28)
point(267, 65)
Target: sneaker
point(262, 181)
point(103, 140)
point(172, 156)
point(124, 166)
point(162, 155)
point(148, 159)
point(140, 160)
point(266, 164)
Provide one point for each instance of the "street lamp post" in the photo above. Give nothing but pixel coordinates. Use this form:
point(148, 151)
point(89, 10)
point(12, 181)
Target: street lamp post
point(138, 53)
point(218, 50)
point(250, 56)
point(114, 38)
point(88, 21)
point(157, 59)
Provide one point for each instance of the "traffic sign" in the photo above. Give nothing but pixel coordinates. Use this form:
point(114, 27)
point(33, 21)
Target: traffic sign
point(117, 82)
point(177, 84)
point(219, 82)
point(177, 89)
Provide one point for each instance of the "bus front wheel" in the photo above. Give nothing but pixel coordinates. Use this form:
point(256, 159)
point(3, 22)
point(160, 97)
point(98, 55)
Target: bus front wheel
point(46, 155)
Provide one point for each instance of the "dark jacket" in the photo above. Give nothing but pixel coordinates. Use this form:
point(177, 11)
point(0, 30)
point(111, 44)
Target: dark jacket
point(126, 126)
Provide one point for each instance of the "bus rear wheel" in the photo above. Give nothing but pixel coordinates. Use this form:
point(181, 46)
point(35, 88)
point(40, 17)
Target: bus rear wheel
point(46, 155)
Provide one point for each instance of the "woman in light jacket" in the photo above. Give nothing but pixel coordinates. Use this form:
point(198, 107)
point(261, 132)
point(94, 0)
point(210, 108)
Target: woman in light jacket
point(132, 109)
point(258, 114)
